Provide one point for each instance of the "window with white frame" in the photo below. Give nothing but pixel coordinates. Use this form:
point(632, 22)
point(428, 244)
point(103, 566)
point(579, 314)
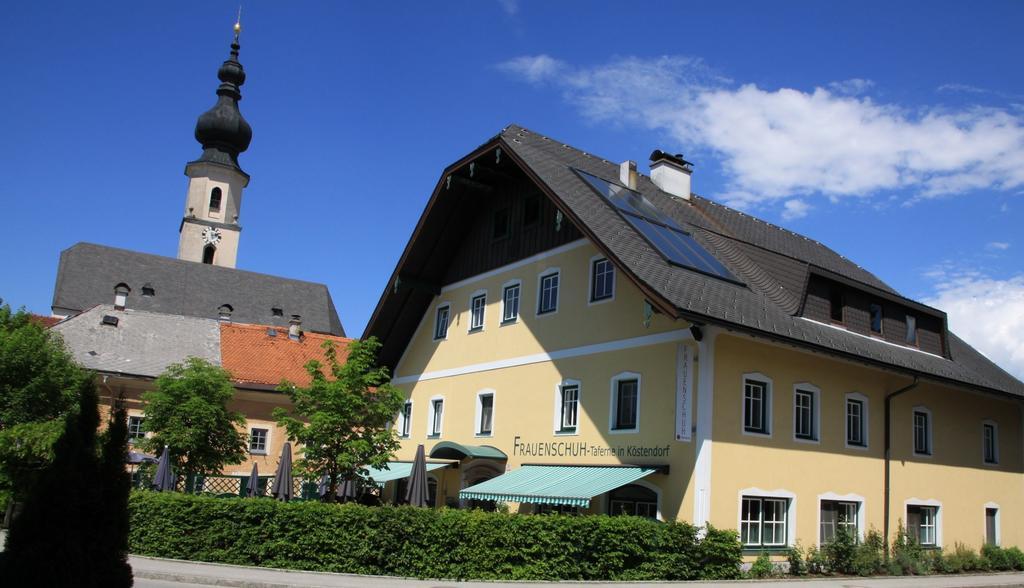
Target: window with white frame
point(991, 525)
point(633, 500)
point(510, 303)
point(838, 516)
point(990, 442)
point(547, 300)
point(922, 524)
point(405, 420)
point(476, 311)
point(258, 439)
point(436, 416)
point(135, 431)
point(485, 423)
point(625, 403)
point(922, 431)
point(441, 323)
point(805, 414)
point(856, 421)
point(763, 522)
point(569, 407)
point(756, 406)
point(602, 280)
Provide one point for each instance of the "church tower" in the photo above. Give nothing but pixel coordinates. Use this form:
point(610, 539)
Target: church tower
point(209, 231)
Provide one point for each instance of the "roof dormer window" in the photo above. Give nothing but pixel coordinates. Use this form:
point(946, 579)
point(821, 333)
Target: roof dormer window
point(121, 292)
point(911, 330)
point(876, 318)
point(835, 303)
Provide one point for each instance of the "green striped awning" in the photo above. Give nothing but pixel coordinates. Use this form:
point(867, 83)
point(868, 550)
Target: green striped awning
point(568, 485)
point(397, 470)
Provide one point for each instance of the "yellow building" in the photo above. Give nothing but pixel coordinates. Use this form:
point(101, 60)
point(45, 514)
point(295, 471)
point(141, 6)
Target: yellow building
point(578, 336)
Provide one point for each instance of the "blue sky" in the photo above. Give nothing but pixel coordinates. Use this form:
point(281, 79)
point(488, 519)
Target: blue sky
point(892, 132)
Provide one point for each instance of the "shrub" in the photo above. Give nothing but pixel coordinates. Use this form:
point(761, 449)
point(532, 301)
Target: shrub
point(762, 567)
point(907, 554)
point(1016, 557)
point(795, 555)
point(425, 543)
point(720, 554)
point(815, 561)
point(839, 552)
point(996, 558)
point(869, 556)
point(962, 559)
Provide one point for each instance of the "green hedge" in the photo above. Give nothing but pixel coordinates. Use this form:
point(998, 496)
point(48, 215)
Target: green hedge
point(424, 543)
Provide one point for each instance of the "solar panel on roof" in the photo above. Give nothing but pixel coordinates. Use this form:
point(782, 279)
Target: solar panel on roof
point(664, 234)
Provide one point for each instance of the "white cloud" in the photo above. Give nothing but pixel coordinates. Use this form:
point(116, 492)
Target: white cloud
point(964, 88)
point(988, 313)
point(794, 209)
point(533, 69)
point(511, 7)
point(851, 87)
point(998, 246)
point(784, 143)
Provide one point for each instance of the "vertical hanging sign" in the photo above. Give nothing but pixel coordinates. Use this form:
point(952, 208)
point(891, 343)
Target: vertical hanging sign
point(684, 392)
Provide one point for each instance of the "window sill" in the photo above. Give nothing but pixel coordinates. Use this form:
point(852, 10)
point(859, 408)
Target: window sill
point(757, 434)
point(434, 436)
point(547, 312)
point(810, 440)
point(484, 435)
point(252, 452)
point(857, 446)
point(927, 455)
point(507, 322)
point(566, 432)
point(773, 550)
point(624, 431)
point(594, 301)
point(475, 330)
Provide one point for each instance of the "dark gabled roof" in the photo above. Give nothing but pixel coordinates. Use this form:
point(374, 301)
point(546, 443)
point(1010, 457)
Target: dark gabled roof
point(88, 274)
point(773, 264)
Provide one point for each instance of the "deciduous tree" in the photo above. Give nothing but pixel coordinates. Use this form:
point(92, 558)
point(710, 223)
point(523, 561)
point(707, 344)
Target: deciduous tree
point(188, 412)
point(342, 419)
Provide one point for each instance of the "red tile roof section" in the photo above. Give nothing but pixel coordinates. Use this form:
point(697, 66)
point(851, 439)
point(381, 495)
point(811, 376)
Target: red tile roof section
point(44, 321)
point(254, 357)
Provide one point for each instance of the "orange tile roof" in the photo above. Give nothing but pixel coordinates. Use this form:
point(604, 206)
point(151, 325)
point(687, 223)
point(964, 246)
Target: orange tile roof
point(44, 321)
point(253, 356)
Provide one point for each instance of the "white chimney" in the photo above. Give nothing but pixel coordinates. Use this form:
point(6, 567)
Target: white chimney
point(295, 328)
point(627, 174)
point(671, 173)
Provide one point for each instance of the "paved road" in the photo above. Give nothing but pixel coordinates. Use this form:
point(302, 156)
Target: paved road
point(161, 573)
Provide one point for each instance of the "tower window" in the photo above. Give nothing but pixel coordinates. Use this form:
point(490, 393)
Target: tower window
point(215, 197)
point(208, 252)
point(224, 312)
point(147, 290)
point(277, 311)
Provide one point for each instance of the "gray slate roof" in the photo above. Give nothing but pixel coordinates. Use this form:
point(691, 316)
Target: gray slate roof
point(772, 261)
point(88, 274)
point(142, 344)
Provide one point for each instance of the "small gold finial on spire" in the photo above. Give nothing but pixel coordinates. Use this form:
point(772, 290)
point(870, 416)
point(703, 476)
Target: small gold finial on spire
point(238, 23)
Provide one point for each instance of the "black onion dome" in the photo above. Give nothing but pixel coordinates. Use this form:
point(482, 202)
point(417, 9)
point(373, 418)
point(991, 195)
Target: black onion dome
point(222, 130)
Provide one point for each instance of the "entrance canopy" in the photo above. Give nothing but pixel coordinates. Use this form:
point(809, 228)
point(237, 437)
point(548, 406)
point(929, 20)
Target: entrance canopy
point(398, 470)
point(568, 485)
point(451, 450)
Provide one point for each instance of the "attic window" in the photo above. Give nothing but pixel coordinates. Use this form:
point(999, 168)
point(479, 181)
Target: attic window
point(501, 224)
point(276, 311)
point(148, 290)
point(835, 301)
point(272, 332)
point(110, 321)
point(531, 211)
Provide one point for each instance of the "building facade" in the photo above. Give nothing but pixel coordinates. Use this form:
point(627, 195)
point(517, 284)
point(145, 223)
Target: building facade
point(577, 336)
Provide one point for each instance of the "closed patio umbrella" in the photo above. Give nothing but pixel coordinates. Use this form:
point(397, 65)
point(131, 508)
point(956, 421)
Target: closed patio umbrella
point(252, 489)
point(345, 489)
point(164, 478)
point(282, 488)
point(417, 493)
